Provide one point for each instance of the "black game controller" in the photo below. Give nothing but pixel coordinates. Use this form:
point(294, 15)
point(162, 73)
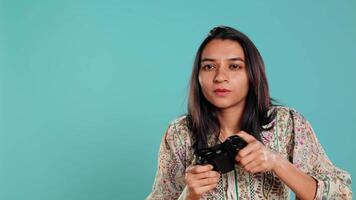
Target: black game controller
point(221, 156)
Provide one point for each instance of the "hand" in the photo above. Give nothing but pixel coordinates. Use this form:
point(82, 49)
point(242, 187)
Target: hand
point(255, 157)
point(200, 179)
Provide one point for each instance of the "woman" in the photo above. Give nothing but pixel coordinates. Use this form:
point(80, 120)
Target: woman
point(228, 96)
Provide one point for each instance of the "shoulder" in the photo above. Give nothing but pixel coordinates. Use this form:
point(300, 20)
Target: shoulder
point(178, 130)
point(287, 119)
point(285, 113)
point(180, 124)
point(288, 122)
point(292, 122)
point(181, 121)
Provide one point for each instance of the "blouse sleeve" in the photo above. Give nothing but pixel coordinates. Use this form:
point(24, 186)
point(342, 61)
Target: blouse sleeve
point(309, 156)
point(169, 180)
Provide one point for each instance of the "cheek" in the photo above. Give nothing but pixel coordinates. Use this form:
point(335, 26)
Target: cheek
point(203, 81)
point(241, 84)
point(200, 80)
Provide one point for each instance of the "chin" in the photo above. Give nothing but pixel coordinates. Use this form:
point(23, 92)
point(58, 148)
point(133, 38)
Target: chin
point(222, 105)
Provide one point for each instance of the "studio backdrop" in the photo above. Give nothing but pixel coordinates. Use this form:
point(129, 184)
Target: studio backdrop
point(87, 88)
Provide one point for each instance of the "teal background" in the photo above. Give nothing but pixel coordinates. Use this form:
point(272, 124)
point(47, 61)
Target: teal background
point(87, 88)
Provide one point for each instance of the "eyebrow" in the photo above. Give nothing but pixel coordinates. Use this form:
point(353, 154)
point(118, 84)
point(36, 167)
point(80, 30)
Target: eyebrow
point(230, 59)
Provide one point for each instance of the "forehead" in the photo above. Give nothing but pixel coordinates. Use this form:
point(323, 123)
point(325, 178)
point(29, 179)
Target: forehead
point(222, 49)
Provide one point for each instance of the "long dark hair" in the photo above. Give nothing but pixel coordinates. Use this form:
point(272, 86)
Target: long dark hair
point(202, 115)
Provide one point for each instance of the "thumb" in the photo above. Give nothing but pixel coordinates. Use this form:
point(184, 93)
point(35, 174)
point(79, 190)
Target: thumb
point(247, 137)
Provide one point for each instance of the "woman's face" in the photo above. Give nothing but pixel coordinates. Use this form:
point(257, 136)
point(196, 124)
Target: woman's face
point(223, 66)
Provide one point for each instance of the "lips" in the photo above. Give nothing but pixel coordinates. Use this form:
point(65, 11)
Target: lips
point(222, 90)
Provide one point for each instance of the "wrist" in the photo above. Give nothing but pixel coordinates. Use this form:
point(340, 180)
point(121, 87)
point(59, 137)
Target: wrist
point(192, 197)
point(278, 162)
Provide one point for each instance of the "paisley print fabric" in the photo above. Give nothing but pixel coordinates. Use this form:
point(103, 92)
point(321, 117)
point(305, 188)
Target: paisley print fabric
point(292, 137)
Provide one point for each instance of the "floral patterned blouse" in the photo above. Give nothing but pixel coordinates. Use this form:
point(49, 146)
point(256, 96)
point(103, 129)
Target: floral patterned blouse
point(292, 136)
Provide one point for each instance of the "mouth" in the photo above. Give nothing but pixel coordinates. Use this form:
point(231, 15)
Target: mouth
point(222, 92)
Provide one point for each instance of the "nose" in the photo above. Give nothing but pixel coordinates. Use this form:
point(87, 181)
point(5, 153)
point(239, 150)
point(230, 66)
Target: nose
point(220, 76)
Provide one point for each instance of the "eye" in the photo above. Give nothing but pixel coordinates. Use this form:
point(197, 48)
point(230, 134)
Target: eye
point(207, 67)
point(235, 67)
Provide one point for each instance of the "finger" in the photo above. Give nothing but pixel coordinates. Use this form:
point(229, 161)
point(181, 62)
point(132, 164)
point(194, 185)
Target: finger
point(258, 169)
point(247, 137)
point(252, 165)
point(248, 149)
point(247, 159)
point(205, 182)
point(237, 158)
point(208, 174)
point(196, 169)
point(206, 188)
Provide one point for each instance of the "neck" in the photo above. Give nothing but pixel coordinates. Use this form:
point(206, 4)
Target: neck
point(230, 120)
